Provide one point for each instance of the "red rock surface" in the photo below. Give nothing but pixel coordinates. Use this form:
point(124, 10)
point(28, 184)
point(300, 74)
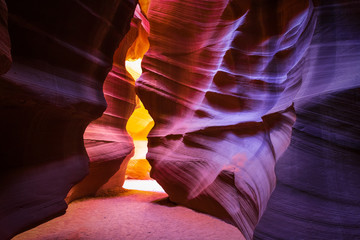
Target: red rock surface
point(214, 75)
point(222, 80)
point(62, 52)
point(219, 69)
point(107, 142)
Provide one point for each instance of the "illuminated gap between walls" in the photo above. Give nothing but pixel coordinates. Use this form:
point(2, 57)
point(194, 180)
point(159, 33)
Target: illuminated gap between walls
point(143, 185)
point(137, 176)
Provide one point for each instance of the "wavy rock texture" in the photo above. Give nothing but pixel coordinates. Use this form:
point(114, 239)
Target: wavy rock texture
point(317, 195)
point(107, 142)
point(5, 55)
point(62, 52)
point(140, 122)
point(219, 80)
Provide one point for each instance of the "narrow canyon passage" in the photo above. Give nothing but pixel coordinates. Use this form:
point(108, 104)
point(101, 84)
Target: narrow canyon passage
point(240, 123)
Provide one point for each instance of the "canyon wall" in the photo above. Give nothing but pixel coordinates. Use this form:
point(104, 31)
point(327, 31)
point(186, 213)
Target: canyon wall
point(220, 80)
point(224, 81)
point(217, 82)
point(107, 142)
point(106, 139)
point(317, 191)
point(317, 194)
point(61, 52)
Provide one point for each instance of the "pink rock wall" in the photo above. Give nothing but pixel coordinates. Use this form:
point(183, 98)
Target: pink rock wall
point(106, 140)
point(222, 80)
point(62, 52)
point(217, 81)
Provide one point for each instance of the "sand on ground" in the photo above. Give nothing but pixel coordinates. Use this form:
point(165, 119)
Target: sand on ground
point(135, 215)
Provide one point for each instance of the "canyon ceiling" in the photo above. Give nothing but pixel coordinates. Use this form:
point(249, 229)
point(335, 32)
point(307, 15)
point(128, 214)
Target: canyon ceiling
point(256, 107)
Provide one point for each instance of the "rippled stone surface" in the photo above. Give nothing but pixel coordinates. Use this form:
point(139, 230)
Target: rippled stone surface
point(216, 81)
point(107, 142)
point(222, 80)
point(317, 192)
point(219, 80)
point(62, 52)
point(317, 195)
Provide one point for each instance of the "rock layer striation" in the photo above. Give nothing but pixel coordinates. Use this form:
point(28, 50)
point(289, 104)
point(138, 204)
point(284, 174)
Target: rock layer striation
point(219, 81)
point(62, 52)
point(317, 195)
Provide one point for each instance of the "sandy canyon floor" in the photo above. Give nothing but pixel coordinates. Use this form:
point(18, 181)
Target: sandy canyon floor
point(132, 214)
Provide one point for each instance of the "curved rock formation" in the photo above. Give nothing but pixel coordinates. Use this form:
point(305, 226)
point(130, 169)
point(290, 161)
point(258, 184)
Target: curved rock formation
point(317, 195)
point(62, 52)
point(222, 80)
point(107, 142)
point(219, 80)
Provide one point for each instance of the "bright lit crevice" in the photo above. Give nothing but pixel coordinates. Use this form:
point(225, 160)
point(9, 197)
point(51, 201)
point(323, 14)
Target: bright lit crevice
point(143, 185)
point(137, 174)
point(138, 127)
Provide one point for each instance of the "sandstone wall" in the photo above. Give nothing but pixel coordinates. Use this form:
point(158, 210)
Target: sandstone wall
point(220, 79)
point(62, 52)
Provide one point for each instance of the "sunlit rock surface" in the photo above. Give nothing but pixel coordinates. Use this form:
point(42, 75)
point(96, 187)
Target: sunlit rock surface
point(62, 52)
point(220, 79)
point(140, 122)
point(107, 141)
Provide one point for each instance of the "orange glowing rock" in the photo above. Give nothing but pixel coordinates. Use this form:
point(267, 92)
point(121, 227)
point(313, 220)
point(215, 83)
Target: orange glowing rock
point(138, 169)
point(144, 4)
point(138, 126)
point(107, 142)
point(140, 122)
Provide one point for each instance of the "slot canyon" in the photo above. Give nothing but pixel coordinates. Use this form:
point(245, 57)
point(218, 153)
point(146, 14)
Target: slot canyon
point(244, 113)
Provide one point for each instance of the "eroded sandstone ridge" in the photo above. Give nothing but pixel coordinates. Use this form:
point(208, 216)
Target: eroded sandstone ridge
point(317, 194)
point(219, 81)
point(62, 52)
point(222, 80)
point(107, 142)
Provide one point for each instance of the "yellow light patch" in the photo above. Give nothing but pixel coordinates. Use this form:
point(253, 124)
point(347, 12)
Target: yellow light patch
point(138, 127)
